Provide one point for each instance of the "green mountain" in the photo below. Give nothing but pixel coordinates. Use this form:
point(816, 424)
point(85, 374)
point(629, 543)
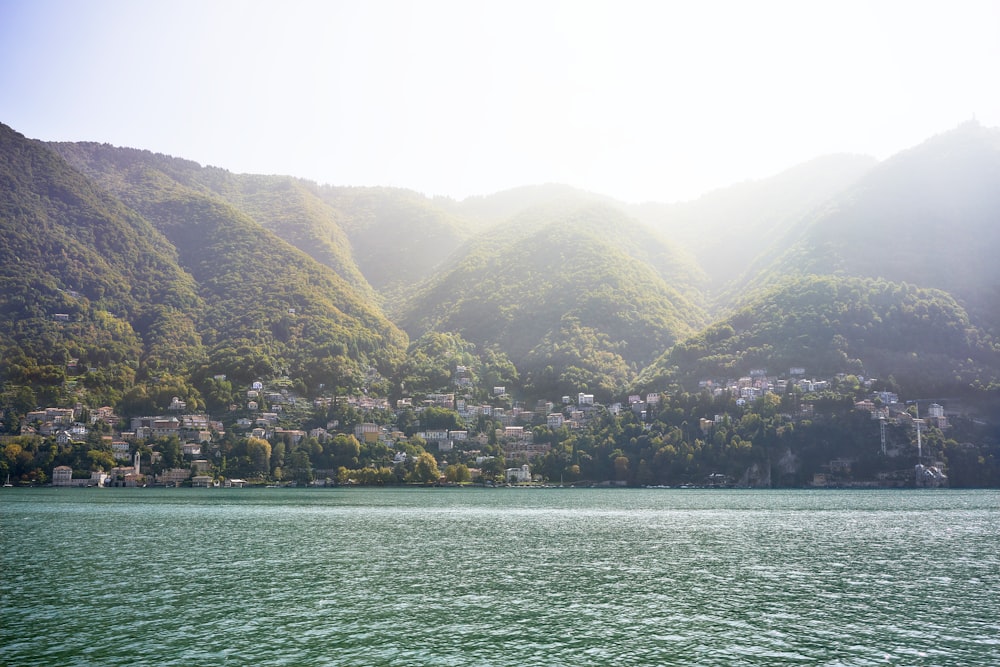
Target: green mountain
point(399, 237)
point(892, 276)
point(193, 287)
point(567, 292)
point(293, 209)
point(927, 217)
point(86, 284)
point(725, 230)
point(827, 325)
point(176, 273)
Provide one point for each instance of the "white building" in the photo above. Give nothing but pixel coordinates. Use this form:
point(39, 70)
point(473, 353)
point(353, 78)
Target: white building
point(62, 476)
point(519, 475)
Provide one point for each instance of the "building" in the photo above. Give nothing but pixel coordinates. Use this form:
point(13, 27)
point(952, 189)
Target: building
point(62, 476)
point(518, 475)
point(121, 450)
point(367, 432)
point(173, 476)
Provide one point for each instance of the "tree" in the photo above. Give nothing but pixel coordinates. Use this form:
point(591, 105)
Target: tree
point(345, 450)
point(458, 474)
point(493, 468)
point(425, 470)
point(259, 451)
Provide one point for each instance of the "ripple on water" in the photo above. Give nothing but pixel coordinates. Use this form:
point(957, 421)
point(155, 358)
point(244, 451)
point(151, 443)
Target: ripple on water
point(442, 577)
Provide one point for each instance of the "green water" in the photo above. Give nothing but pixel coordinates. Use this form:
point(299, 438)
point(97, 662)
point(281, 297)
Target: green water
point(498, 577)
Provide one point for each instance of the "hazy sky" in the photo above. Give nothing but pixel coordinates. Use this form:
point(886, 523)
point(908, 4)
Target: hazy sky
point(639, 100)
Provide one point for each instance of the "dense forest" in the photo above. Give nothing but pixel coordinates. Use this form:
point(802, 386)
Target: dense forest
point(131, 279)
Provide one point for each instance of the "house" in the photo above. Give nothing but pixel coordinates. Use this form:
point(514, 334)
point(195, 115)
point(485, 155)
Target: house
point(173, 476)
point(518, 475)
point(191, 449)
point(516, 433)
point(367, 432)
point(62, 476)
point(440, 400)
point(164, 428)
point(525, 450)
point(295, 436)
point(121, 450)
point(202, 481)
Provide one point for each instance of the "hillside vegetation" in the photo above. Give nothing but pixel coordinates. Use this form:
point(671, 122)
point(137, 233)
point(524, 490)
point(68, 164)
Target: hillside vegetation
point(148, 283)
point(131, 275)
point(84, 283)
point(927, 217)
point(561, 292)
point(827, 325)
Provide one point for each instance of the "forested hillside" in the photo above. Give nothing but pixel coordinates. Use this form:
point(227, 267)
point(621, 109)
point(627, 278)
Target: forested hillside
point(143, 282)
point(399, 237)
point(727, 229)
point(86, 284)
point(927, 216)
point(566, 293)
point(827, 325)
point(180, 272)
point(148, 289)
point(290, 208)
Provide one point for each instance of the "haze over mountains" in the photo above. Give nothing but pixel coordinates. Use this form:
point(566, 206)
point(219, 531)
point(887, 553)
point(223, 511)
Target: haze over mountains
point(144, 266)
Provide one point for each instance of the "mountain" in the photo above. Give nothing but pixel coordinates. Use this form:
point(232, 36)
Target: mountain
point(86, 283)
point(568, 292)
point(193, 287)
point(293, 209)
point(927, 217)
point(485, 211)
point(726, 229)
point(827, 325)
point(399, 237)
point(176, 273)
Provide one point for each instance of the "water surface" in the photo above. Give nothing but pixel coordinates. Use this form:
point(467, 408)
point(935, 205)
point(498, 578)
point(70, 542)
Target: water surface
point(499, 577)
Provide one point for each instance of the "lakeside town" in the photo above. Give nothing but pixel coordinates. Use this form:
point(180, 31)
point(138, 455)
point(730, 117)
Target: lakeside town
point(274, 436)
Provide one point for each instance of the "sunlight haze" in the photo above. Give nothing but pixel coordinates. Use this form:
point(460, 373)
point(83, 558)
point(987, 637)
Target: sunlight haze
point(637, 100)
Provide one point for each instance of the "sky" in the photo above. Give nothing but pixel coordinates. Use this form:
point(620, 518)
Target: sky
point(642, 101)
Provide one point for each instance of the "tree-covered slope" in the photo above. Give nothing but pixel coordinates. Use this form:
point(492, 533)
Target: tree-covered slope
point(927, 216)
point(269, 307)
point(830, 325)
point(291, 208)
point(188, 286)
point(85, 283)
point(399, 237)
point(559, 292)
point(726, 229)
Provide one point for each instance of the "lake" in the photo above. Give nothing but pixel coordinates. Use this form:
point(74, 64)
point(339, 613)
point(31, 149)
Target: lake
point(499, 577)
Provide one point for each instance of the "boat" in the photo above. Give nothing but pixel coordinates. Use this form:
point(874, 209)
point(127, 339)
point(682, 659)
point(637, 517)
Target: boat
point(7, 484)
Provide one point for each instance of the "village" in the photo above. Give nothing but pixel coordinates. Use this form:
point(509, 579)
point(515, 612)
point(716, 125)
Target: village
point(183, 448)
